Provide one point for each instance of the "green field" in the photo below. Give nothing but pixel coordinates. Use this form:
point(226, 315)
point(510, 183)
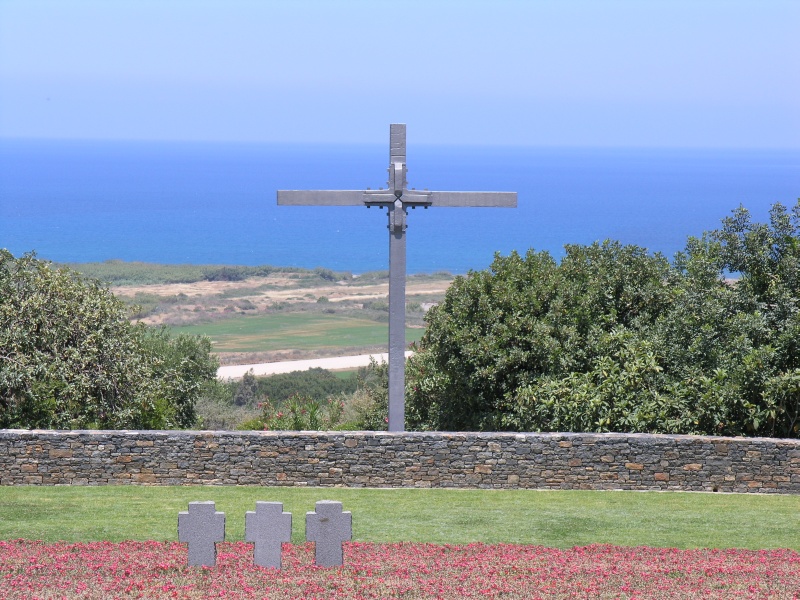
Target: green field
point(550, 518)
point(302, 331)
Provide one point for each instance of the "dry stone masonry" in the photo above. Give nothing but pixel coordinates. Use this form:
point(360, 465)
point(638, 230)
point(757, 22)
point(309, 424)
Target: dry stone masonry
point(381, 459)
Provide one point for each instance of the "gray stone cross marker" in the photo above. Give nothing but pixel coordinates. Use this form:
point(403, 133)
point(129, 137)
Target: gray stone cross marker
point(202, 527)
point(268, 527)
point(396, 199)
point(328, 527)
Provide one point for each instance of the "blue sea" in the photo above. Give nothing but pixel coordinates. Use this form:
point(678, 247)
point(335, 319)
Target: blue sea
point(215, 203)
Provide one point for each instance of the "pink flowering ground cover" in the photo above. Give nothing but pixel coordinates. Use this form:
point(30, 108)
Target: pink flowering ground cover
point(154, 570)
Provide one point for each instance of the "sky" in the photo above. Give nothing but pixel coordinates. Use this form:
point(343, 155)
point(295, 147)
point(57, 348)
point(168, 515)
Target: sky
point(635, 73)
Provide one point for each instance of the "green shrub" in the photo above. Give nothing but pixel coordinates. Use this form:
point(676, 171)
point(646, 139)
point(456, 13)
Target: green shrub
point(369, 404)
point(316, 383)
point(616, 339)
point(69, 357)
point(298, 413)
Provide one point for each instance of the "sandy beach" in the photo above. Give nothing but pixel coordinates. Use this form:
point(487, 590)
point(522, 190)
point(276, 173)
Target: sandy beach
point(287, 366)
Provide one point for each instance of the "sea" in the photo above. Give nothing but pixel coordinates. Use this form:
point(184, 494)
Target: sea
point(215, 203)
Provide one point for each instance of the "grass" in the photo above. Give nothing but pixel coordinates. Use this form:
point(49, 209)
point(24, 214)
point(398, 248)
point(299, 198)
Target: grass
point(559, 519)
point(302, 331)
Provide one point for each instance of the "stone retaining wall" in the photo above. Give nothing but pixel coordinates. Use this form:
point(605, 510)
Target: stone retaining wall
point(379, 459)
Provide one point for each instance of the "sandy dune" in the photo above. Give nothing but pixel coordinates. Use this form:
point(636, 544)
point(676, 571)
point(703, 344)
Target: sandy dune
point(187, 303)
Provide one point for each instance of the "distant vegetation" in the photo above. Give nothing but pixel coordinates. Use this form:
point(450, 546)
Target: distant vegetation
point(318, 384)
point(118, 272)
point(258, 310)
point(132, 273)
point(311, 399)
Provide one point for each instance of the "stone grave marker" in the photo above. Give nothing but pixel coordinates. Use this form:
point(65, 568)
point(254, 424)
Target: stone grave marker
point(328, 527)
point(268, 527)
point(202, 527)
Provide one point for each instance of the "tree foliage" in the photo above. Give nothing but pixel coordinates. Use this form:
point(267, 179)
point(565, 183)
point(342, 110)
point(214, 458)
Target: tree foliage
point(69, 357)
point(616, 339)
point(372, 412)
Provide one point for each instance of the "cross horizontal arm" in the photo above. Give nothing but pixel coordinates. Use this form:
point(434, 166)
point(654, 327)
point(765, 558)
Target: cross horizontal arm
point(363, 197)
point(495, 199)
point(322, 197)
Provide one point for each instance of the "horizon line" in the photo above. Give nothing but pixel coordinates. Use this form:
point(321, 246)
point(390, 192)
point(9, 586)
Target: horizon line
point(302, 143)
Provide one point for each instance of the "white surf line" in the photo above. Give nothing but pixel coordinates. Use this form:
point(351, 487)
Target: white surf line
point(287, 366)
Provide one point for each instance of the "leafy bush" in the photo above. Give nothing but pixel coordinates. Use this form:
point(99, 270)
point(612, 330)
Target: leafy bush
point(616, 339)
point(316, 383)
point(298, 413)
point(69, 358)
point(313, 399)
point(369, 405)
point(231, 404)
point(328, 275)
point(497, 332)
point(379, 305)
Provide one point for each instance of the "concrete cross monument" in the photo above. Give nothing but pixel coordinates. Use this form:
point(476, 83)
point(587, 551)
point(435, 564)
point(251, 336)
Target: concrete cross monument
point(397, 199)
point(328, 527)
point(268, 527)
point(202, 527)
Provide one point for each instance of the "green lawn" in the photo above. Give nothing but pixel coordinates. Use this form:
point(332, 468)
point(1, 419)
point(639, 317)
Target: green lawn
point(557, 519)
point(302, 331)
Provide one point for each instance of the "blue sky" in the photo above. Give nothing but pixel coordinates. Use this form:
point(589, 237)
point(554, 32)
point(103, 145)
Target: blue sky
point(683, 73)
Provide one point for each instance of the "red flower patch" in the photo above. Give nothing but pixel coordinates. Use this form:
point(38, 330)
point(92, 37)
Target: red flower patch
point(154, 570)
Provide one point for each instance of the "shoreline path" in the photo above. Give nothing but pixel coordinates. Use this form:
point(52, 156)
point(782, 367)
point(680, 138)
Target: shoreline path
point(287, 366)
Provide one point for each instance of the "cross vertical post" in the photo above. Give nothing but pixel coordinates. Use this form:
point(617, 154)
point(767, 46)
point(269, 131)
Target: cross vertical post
point(397, 279)
point(397, 198)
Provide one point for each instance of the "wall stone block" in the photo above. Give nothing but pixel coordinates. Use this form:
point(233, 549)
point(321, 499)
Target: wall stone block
point(381, 459)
